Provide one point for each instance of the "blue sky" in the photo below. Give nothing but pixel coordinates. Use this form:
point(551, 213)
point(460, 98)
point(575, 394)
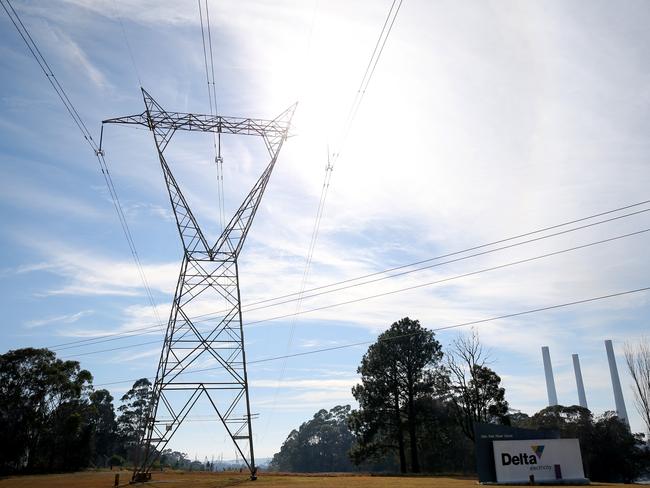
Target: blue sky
point(483, 120)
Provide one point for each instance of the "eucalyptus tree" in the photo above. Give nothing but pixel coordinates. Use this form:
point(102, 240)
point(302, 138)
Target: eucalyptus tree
point(637, 357)
point(321, 444)
point(474, 389)
point(44, 422)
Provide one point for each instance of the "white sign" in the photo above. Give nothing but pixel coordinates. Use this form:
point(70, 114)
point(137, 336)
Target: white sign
point(546, 459)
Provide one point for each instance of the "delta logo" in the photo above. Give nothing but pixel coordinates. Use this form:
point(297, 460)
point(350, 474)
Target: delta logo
point(522, 458)
point(538, 450)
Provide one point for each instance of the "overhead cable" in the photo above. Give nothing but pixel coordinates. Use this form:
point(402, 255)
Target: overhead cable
point(331, 159)
point(99, 153)
point(210, 315)
point(399, 290)
point(212, 99)
point(435, 329)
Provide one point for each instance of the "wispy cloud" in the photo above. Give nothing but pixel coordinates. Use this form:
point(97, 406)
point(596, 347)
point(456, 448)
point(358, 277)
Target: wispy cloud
point(49, 35)
point(84, 272)
point(149, 12)
point(134, 209)
point(317, 343)
point(28, 193)
point(296, 394)
point(77, 56)
point(310, 384)
point(62, 319)
point(130, 356)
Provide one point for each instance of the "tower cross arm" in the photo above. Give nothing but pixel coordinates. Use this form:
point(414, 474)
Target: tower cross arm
point(205, 123)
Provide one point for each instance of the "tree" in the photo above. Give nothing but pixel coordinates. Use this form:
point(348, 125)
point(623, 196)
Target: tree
point(616, 455)
point(131, 422)
point(102, 418)
point(66, 439)
point(474, 389)
point(174, 459)
point(43, 412)
point(517, 418)
point(443, 445)
point(609, 451)
point(571, 422)
point(116, 460)
point(320, 444)
point(637, 357)
point(403, 366)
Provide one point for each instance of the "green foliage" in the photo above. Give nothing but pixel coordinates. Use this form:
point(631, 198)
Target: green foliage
point(116, 460)
point(444, 447)
point(637, 358)
point(131, 421)
point(44, 412)
point(610, 452)
point(51, 419)
point(571, 422)
point(473, 388)
point(403, 366)
point(102, 418)
point(616, 454)
point(517, 418)
point(320, 444)
point(174, 459)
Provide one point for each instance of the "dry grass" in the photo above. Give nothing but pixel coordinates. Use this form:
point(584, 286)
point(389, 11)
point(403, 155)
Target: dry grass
point(104, 479)
point(360, 481)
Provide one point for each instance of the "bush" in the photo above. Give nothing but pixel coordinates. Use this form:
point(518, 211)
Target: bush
point(116, 460)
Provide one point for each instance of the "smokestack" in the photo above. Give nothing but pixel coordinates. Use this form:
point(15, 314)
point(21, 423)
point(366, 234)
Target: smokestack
point(550, 382)
point(582, 398)
point(616, 383)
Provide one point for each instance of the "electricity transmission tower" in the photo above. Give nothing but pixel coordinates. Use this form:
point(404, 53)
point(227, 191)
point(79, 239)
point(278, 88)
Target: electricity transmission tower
point(203, 355)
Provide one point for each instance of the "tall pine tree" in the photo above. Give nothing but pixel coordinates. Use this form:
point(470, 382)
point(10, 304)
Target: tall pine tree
point(403, 366)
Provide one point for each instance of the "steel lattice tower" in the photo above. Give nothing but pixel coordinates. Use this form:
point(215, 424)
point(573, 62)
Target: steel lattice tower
point(204, 357)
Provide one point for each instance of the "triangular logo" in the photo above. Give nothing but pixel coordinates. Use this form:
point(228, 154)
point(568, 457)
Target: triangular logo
point(538, 450)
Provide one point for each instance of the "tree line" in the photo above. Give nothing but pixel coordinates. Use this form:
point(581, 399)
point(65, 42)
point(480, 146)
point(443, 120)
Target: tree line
point(418, 406)
point(53, 419)
point(416, 409)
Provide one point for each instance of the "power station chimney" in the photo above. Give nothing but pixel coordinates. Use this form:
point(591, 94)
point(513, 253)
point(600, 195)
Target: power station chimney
point(616, 383)
point(582, 398)
point(550, 382)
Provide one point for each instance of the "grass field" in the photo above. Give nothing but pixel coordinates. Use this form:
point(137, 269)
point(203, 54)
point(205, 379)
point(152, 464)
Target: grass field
point(105, 479)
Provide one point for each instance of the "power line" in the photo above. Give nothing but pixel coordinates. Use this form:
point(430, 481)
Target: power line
point(132, 332)
point(368, 74)
point(437, 329)
point(381, 41)
point(430, 266)
point(331, 160)
point(40, 59)
point(477, 247)
point(400, 290)
point(128, 44)
point(422, 285)
point(466, 324)
point(118, 348)
point(152, 329)
point(370, 68)
point(219, 158)
point(99, 153)
point(212, 99)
